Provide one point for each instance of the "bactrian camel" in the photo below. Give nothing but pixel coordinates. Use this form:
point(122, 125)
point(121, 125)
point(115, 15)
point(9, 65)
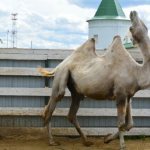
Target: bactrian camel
point(114, 75)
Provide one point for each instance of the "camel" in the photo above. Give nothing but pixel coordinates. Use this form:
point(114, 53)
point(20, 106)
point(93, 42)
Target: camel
point(114, 75)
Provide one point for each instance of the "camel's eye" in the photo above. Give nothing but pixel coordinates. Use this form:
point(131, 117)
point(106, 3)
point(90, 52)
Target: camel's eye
point(131, 28)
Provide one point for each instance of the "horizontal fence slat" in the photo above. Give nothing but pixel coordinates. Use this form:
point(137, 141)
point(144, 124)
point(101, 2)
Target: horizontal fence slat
point(47, 92)
point(36, 51)
point(41, 53)
point(17, 71)
point(28, 92)
point(142, 94)
point(16, 111)
point(52, 53)
point(107, 112)
point(36, 131)
point(25, 91)
point(23, 57)
point(99, 131)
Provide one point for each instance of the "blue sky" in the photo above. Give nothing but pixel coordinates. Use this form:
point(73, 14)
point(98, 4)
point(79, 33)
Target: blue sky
point(56, 23)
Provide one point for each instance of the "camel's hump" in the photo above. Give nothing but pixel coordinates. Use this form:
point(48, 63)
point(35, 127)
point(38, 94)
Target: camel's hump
point(88, 47)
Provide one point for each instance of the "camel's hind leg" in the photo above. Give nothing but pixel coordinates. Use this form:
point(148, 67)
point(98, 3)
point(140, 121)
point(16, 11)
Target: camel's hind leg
point(76, 98)
point(73, 118)
point(58, 91)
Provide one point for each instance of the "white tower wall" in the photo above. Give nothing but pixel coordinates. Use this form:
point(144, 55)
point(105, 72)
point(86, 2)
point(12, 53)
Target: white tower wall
point(104, 30)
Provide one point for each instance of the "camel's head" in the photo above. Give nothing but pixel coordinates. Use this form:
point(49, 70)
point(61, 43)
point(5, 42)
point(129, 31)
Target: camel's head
point(138, 28)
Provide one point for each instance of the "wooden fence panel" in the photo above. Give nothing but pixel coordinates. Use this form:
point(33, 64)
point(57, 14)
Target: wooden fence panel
point(24, 93)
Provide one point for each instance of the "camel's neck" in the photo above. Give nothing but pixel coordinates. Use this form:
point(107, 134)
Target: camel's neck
point(143, 72)
point(145, 48)
point(143, 75)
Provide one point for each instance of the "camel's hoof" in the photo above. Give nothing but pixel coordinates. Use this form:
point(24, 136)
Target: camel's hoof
point(108, 138)
point(123, 148)
point(53, 143)
point(88, 143)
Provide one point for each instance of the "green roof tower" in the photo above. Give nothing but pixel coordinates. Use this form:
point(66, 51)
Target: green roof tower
point(108, 21)
point(109, 9)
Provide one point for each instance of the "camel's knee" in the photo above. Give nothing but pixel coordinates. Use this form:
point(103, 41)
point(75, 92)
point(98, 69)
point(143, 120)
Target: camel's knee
point(129, 123)
point(121, 117)
point(57, 95)
point(61, 93)
point(71, 119)
point(59, 90)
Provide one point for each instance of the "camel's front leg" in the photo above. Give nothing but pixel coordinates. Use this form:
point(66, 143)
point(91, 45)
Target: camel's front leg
point(121, 111)
point(128, 124)
point(129, 119)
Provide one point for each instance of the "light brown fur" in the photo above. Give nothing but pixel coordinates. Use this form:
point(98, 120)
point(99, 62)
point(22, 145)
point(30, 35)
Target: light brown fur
point(114, 75)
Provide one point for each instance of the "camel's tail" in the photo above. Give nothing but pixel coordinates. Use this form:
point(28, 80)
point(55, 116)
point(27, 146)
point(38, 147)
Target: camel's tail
point(46, 73)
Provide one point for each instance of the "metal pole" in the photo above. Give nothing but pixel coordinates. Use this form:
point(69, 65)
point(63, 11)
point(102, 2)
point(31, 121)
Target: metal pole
point(14, 30)
point(7, 38)
point(31, 44)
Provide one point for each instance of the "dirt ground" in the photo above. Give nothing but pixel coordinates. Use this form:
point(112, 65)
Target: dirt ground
point(68, 143)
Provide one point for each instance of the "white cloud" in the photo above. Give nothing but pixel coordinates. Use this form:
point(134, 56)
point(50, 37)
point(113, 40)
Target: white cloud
point(47, 23)
point(52, 24)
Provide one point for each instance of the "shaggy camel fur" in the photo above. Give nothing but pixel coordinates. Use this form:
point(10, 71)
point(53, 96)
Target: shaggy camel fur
point(114, 75)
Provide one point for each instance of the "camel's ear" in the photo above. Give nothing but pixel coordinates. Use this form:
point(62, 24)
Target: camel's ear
point(131, 37)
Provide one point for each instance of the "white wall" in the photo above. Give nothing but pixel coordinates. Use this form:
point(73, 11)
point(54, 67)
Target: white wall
point(106, 30)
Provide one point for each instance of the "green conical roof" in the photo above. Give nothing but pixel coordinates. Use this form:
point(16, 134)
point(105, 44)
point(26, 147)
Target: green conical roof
point(109, 9)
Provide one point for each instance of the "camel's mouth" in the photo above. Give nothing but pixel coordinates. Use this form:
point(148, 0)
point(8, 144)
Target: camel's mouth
point(131, 38)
